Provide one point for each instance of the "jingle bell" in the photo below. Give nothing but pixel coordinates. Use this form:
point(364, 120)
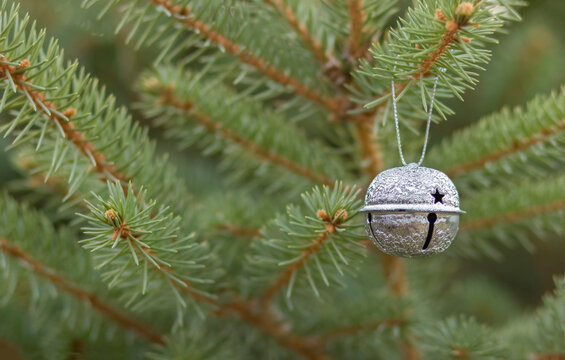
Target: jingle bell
point(412, 211)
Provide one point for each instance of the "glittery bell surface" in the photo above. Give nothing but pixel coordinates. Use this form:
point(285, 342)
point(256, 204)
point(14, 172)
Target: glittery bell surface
point(412, 211)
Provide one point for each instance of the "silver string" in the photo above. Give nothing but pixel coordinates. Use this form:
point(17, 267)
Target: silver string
point(431, 108)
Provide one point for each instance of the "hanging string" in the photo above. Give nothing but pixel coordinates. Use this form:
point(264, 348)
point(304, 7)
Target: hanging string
point(431, 108)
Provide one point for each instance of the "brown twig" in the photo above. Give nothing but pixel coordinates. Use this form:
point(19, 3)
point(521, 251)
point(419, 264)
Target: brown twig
point(240, 231)
point(371, 154)
point(285, 277)
point(460, 353)
point(357, 328)
point(310, 348)
point(77, 350)
point(62, 283)
point(301, 29)
point(555, 356)
point(247, 311)
point(356, 20)
point(188, 106)
point(98, 159)
point(452, 27)
point(516, 146)
point(331, 224)
point(513, 216)
point(337, 106)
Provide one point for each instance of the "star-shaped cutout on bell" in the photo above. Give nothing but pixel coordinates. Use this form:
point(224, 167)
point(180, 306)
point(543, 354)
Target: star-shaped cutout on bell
point(438, 197)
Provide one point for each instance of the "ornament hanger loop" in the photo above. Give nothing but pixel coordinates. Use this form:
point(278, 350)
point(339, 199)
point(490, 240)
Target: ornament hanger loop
point(431, 108)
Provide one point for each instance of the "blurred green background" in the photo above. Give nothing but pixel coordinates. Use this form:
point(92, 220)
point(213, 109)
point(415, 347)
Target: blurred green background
point(529, 60)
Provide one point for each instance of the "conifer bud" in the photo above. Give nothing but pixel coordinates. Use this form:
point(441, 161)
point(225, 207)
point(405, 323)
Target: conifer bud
point(24, 64)
point(323, 215)
point(463, 12)
point(70, 112)
point(111, 216)
point(340, 216)
point(151, 83)
point(451, 25)
point(440, 15)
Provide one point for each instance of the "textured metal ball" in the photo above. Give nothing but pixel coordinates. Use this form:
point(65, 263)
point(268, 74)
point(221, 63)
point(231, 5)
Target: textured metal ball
point(412, 211)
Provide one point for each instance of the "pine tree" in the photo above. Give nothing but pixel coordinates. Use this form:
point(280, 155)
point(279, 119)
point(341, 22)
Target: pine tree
point(118, 239)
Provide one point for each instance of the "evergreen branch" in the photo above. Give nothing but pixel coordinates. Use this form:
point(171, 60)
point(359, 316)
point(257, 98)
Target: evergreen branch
point(240, 231)
point(128, 236)
point(117, 222)
point(542, 136)
point(540, 335)
point(307, 347)
point(285, 277)
point(301, 249)
point(356, 20)
point(352, 330)
point(500, 214)
point(75, 291)
point(59, 119)
point(447, 39)
point(265, 322)
point(554, 356)
point(394, 270)
point(460, 338)
point(196, 343)
point(100, 133)
point(249, 136)
point(189, 109)
point(512, 216)
point(185, 17)
point(500, 137)
point(102, 125)
point(312, 43)
point(371, 154)
point(436, 38)
point(453, 26)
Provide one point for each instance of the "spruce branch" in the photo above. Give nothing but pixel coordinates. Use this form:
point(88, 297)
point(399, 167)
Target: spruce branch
point(97, 124)
point(285, 277)
point(539, 335)
point(45, 94)
point(499, 214)
point(183, 16)
point(23, 235)
point(370, 151)
point(352, 330)
point(436, 38)
point(76, 291)
point(187, 107)
point(356, 24)
point(460, 338)
point(309, 348)
point(302, 249)
point(531, 133)
point(518, 146)
point(554, 356)
point(240, 231)
point(238, 122)
point(16, 76)
point(129, 236)
point(356, 20)
point(513, 216)
point(301, 29)
point(126, 231)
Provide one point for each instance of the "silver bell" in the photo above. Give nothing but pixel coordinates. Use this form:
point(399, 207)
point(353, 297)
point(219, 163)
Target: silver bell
point(412, 211)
